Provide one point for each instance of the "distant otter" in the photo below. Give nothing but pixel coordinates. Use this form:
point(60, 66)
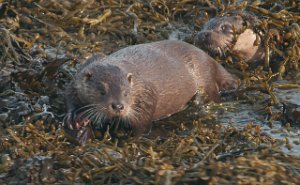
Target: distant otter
point(217, 37)
point(140, 84)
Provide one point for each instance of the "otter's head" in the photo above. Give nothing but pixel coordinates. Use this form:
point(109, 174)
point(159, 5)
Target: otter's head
point(104, 94)
point(217, 35)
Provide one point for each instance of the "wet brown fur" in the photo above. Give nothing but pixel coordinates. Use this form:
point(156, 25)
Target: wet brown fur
point(217, 37)
point(164, 77)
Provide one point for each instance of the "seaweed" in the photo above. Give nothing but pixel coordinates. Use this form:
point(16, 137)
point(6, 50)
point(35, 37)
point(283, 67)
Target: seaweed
point(44, 42)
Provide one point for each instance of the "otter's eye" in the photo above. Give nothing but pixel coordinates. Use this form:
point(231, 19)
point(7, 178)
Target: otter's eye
point(224, 27)
point(103, 93)
point(103, 88)
point(125, 94)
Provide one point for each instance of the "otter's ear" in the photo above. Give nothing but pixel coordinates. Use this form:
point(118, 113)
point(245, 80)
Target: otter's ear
point(129, 78)
point(88, 75)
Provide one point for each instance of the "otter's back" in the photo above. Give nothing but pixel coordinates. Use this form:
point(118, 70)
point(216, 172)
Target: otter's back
point(168, 65)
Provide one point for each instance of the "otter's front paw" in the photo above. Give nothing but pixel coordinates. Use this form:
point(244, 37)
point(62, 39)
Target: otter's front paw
point(74, 122)
point(77, 128)
point(229, 85)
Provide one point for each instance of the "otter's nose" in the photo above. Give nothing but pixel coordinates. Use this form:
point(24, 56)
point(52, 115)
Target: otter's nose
point(117, 107)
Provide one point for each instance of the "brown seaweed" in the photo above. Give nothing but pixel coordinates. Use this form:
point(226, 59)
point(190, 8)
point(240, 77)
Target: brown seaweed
point(42, 43)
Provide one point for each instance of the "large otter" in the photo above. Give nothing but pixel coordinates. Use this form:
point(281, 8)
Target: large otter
point(140, 84)
point(217, 36)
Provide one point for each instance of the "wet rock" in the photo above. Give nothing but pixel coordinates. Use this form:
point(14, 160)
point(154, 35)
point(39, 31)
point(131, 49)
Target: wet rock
point(36, 170)
point(5, 79)
point(38, 106)
point(13, 107)
point(290, 101)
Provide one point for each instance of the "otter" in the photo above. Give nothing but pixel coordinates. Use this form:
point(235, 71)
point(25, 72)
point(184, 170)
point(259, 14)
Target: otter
point(217, 36)
point(139, 84)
